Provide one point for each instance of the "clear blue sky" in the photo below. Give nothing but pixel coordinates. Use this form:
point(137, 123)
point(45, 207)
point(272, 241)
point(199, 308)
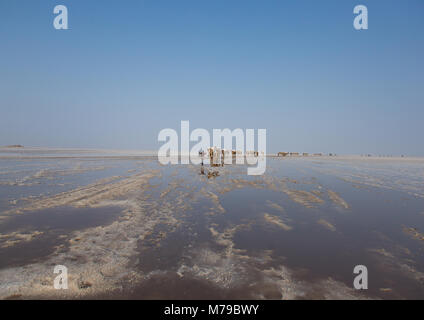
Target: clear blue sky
point(127, 69)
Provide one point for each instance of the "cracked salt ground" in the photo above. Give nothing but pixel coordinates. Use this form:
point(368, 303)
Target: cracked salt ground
point(145, 231)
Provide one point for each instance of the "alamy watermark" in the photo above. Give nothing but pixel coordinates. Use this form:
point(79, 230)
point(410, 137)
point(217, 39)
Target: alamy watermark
point(60, 21)
point(361, 280)
point(60, 281)
point(215, 153)
point(360, 21)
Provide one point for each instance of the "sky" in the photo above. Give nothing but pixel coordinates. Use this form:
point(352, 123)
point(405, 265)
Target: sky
point(124, 70)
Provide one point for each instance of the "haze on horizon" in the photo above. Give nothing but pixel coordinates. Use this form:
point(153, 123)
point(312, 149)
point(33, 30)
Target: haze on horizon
point(299, 69)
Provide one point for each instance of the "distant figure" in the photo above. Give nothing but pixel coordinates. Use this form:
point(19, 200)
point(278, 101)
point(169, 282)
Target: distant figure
point(202, 170)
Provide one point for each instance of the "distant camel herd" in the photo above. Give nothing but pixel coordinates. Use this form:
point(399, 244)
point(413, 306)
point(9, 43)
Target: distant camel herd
point(296, 154)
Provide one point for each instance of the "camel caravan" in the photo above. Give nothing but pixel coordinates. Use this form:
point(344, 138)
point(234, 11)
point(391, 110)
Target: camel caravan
point(297, 154)
point(217, 155)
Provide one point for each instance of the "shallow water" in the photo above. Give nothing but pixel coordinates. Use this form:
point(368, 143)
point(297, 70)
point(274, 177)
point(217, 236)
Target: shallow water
point(172, 232)
point(52, 227)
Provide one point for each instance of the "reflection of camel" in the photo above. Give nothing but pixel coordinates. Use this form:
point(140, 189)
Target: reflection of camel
point(202, 170)
point(210, 174)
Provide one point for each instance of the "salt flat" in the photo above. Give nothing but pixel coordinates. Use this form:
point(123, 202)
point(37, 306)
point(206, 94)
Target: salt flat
point(126, 226)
